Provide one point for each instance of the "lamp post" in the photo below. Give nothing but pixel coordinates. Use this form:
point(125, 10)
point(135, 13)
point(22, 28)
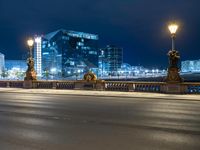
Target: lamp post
point(173, 29)
point(173, 69)
point(30, 43)
point(30, 72)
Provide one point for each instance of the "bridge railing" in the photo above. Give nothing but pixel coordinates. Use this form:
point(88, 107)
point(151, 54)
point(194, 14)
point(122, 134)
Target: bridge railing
point(192, 88)
point(43, 84)
point(54, 84)
point(12, 84)
point(117, 86)
point(155, 87)
point(134, 86)
point(65, 84)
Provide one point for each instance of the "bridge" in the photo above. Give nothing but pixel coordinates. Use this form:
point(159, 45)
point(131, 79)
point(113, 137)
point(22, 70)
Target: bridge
point(100, 85)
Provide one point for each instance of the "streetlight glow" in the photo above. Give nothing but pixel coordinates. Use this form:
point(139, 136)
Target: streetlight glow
point(30, 42)
point(173, 28)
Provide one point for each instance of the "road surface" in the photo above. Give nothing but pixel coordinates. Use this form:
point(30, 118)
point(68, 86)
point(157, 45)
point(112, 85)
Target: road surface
point(63, 122)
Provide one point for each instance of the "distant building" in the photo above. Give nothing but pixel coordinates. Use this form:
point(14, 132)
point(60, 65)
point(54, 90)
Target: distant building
point(38, 55)
point(2, 62)
point(66, 53)
point(15, 69)
point(190, 66)
point(16, 64)
point(110, 59)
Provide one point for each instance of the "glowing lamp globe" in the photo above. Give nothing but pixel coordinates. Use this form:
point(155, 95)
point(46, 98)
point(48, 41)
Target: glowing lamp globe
point(30, 42)
point(173, 28)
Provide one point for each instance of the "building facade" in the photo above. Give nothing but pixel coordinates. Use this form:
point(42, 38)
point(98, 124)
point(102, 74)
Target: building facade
point(19, 64)
point(66, 53)
point(15, 69)
point(2, 62)
point(190, 66)
point(110, 59)
point(38, 55)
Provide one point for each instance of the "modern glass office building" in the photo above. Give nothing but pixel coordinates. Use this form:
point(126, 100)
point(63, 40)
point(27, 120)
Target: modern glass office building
point(66, 53)
point(38, 55)
point(110, 59)
point(2, 62)
point(190, 66)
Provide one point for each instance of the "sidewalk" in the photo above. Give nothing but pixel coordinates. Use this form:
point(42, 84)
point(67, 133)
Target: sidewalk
point(103, 93)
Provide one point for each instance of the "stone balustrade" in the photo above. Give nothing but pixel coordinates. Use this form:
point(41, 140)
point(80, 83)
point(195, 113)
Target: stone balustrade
point(12, 84)
point(118, 86)
point(155, 87)
point(192, 88)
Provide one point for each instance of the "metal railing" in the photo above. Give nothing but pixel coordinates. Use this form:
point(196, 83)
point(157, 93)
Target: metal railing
point(54, 84)
point(12, 84)
point(65, 85)
point(192, 88)
point(16, 84)
point(117, 86)
point(42, 85)
point(3, 84)
point(134, 86)
point(155, 87)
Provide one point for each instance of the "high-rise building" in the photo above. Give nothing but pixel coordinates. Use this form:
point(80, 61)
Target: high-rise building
point(38, 55)
point(2, 62)
point(190, 66)
point(66, 52)
point(110, 59)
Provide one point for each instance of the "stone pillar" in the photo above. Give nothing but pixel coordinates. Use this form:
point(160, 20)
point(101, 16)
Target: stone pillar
point(100, 85)
point(28, 84)
point(173, 75)
point(7, 84)
point(130, 87)
point(54, 85)
point(175, 88)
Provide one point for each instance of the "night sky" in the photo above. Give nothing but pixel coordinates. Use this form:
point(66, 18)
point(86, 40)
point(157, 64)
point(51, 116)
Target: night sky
point(139, 26)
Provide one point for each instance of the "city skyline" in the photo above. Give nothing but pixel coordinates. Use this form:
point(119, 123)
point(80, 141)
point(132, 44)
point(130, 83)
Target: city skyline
point(139, 27)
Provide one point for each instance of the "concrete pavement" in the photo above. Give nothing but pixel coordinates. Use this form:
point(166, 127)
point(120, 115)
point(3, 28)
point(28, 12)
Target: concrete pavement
point(194, 97)
point(31, 121)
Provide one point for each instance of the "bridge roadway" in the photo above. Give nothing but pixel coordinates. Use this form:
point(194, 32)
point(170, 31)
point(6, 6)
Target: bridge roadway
point(67, 122)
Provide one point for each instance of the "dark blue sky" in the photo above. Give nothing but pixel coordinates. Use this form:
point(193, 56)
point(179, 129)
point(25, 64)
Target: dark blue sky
point(139, 26)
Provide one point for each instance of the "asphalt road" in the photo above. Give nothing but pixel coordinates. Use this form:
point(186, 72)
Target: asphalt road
point(61, 122)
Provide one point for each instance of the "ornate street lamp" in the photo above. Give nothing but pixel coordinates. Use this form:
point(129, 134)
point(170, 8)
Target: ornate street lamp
point(30, 43)
point(173, 28)
point(30, 72)
point(173, 69)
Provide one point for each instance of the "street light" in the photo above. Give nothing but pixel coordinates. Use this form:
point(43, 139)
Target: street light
point(30, 43)
point(173, 69)
point(173, 29)
point(30, 72)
